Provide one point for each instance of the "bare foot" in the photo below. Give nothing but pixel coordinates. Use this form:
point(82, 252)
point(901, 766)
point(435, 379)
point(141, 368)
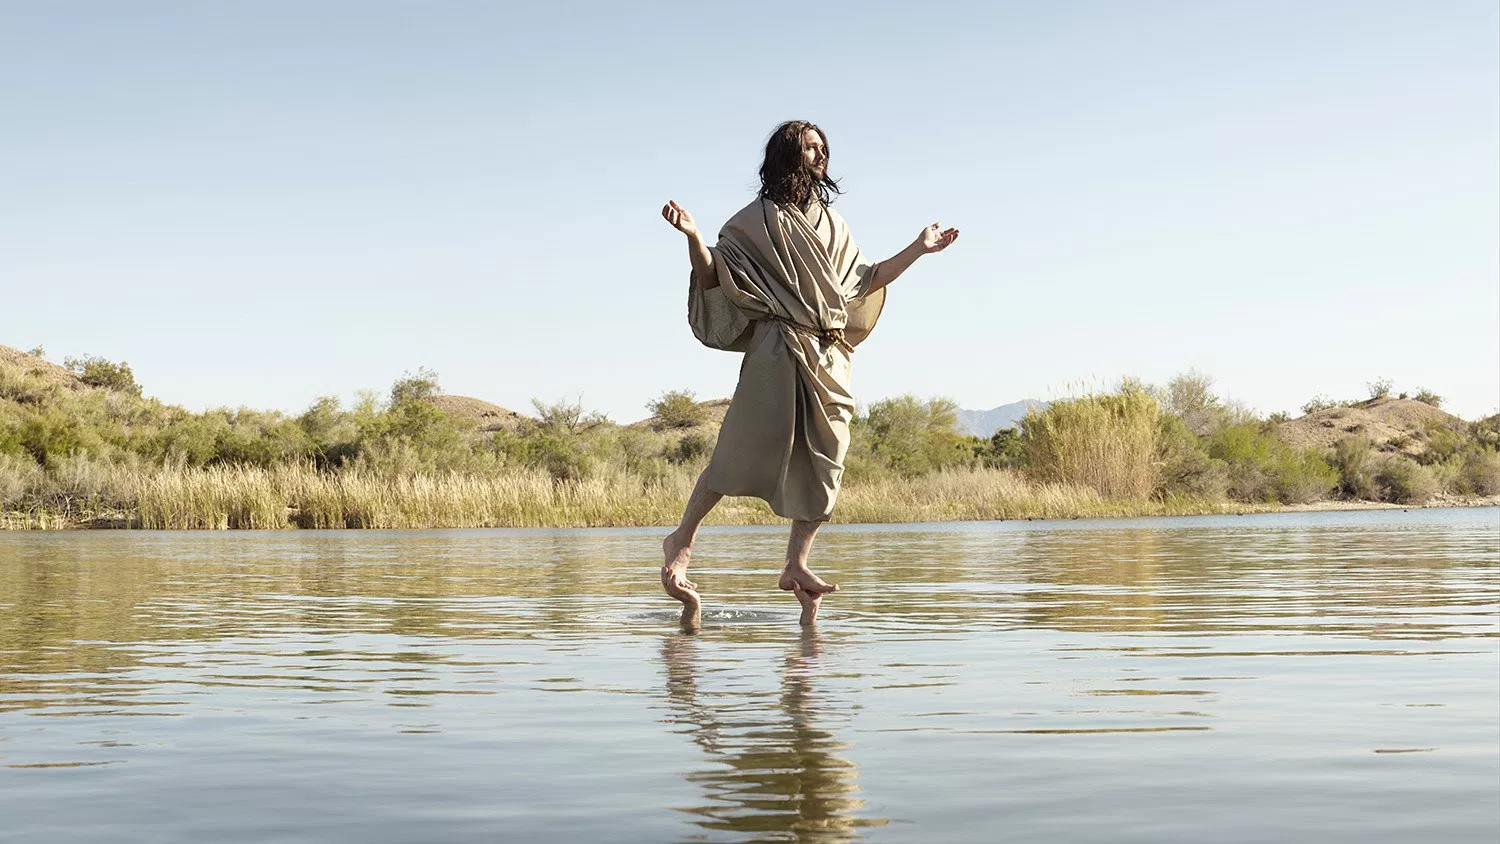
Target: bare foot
point(674, 569)
point(692, 611)
point(809, 602)
point(803, 578)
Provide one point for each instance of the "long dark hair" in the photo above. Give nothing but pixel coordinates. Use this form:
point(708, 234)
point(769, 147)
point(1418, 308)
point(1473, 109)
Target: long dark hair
point(785, 176)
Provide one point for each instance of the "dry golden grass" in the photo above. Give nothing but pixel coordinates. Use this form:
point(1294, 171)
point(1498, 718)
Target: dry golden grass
point(219, 498)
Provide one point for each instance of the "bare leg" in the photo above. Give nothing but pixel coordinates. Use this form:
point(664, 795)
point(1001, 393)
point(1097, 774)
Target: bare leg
point(797, 574)
point(678, 546)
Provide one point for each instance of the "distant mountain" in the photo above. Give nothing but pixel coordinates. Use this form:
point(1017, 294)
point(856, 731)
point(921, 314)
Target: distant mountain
point(984, 423)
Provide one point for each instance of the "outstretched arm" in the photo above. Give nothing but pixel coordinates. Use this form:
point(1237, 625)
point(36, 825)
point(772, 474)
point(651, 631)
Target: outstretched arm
point(703, 260)
point(931, 240)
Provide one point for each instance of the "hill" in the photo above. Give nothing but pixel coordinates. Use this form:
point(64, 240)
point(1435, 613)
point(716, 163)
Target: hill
point(1397, 425)
point(36, 367)
point(485, 416)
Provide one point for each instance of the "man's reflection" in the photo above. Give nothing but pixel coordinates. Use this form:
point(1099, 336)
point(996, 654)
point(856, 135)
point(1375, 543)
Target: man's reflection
point(779, 772)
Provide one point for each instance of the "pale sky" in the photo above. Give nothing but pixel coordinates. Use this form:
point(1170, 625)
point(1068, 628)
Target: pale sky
point(261, 203)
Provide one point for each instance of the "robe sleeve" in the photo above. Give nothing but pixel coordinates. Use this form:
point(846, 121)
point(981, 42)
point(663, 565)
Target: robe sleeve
point(862, 306)
point(717, 322)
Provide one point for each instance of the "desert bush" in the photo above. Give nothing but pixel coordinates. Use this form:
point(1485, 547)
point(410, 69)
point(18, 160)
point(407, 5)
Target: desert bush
point(334, 435)
point(1317, 403)
point(1486, 432)
point(1260, 467)
point(1354, 461)
point(1444, 441)
point(676, 409)
point(1480, 474)
point(98, 372)
point(1426, 396)
point(1105, 442)
point(1403, 481)
point(1304, 476)
point(1379, 388)
point(415, 387)
point(690, 448)
point(555, 451)
point(565, 416)
point(18, 477)
point(1190, 396)
point(1186, 467)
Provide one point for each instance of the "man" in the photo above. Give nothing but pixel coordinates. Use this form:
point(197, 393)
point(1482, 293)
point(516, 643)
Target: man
point(787, 286)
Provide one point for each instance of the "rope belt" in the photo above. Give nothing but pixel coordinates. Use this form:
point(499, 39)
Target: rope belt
point(829, 336)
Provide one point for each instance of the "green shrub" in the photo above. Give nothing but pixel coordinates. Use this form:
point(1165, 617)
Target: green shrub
point(1480, 474)
point(690, 448)
point(1261, 467)
point(1353, 460)
point(1186, 467)
point(1003, 450)
point(98, 372)
point(1379, 388)
point(1444, 442)
point(1403, 481)
point(1486, 432)
point(1429, 397)
point(1317, 403)
point(676, 409)
point(414, 387)
point(1304, 476)
point(566, 416)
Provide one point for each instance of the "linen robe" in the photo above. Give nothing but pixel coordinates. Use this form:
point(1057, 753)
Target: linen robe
point(793, 295)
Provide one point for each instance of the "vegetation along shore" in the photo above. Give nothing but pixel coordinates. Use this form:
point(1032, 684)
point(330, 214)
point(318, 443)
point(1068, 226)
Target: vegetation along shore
point(81, 447)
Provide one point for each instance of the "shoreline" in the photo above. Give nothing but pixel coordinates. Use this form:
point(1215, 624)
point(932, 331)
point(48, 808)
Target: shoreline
point(52, 522)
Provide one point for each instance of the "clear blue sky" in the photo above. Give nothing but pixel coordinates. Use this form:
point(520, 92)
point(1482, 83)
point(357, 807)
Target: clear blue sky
point(261, 203)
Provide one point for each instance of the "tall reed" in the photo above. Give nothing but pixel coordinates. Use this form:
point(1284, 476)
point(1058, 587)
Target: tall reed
point(1105, 442)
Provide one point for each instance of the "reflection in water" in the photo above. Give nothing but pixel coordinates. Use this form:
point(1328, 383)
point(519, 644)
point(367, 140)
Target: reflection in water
point(778, 768)
point(507, 685)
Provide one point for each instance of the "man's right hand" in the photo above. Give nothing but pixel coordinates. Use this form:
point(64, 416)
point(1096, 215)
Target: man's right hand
point(680, 219)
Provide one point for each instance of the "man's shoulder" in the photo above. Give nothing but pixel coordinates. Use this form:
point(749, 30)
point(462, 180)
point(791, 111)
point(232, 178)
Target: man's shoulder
point(751, 217)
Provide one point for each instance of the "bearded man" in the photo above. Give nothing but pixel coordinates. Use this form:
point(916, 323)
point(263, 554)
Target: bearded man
point(786, 286)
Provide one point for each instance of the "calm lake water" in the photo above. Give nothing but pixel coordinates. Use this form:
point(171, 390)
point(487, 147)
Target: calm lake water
point(1292, 677)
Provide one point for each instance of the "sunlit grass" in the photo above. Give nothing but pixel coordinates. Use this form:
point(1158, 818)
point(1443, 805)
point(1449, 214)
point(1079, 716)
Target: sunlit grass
point(297, 496)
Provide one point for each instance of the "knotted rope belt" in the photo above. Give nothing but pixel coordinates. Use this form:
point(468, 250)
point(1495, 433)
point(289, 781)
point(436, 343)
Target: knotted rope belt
point(829, 336)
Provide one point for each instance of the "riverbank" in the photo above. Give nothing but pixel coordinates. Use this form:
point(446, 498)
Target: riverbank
point(300, 497)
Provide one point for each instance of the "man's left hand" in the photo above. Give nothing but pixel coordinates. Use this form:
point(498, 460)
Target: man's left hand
point(934, 238)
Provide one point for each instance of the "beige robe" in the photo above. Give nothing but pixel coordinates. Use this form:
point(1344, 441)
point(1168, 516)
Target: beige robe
point(792, 295)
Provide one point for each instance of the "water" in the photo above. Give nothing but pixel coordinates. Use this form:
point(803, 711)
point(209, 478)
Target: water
point(1314, 677)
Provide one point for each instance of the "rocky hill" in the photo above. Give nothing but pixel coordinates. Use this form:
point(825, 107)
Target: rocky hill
point(486, 416)
point(1391, 424)
point(40, 368)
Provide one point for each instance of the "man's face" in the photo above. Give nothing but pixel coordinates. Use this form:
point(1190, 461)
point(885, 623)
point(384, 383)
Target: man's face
point(814, 154)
